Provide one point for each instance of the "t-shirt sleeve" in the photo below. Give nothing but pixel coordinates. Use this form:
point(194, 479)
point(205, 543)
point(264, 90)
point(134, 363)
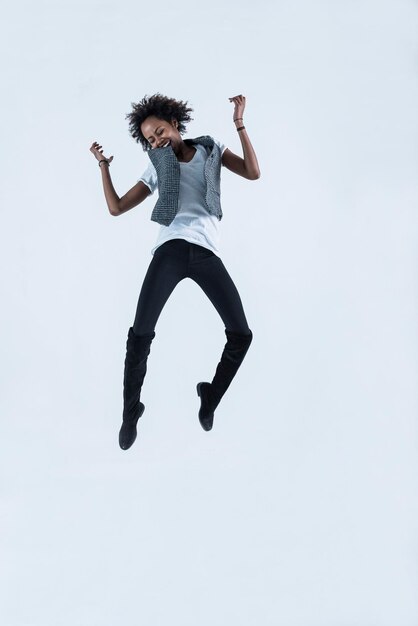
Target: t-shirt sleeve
point(149, 177)
point(222, 147)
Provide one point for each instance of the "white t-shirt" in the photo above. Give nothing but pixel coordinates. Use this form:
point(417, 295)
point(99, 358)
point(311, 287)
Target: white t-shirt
point(192, 221)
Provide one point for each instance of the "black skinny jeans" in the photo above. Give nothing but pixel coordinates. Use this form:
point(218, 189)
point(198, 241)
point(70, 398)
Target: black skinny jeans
point(175, 260)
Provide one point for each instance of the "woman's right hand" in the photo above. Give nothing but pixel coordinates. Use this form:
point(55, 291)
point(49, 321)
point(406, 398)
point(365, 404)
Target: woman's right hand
point(98, 153)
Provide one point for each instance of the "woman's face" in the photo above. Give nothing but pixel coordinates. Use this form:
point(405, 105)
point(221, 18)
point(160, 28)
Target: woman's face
point(159, 133)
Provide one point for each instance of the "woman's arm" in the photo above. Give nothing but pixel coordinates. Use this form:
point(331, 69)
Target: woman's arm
point(132, 198)
point(247, 166)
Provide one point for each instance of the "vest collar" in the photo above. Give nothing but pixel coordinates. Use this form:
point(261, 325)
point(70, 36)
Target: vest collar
point(205, 140)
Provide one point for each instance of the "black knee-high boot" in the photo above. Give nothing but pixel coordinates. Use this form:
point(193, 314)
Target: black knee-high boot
point(211, 393)
point(137, 351)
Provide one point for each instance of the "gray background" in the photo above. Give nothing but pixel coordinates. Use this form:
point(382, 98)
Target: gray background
point(300, 507)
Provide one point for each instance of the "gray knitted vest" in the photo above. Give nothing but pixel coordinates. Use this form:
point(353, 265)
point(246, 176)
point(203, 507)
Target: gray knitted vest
point(168, 175)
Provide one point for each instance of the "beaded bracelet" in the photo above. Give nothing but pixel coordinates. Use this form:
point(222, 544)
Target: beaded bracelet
point(104, 161)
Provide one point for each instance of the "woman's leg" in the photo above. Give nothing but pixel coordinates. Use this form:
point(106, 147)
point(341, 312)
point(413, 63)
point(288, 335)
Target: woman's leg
point(166, 269)
point(211, 275)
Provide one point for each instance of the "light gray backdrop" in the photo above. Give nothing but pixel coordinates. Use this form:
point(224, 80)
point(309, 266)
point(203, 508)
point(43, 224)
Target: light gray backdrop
point(299, 508)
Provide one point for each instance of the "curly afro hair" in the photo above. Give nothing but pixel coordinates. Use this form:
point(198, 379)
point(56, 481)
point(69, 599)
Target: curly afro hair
point(163, 108)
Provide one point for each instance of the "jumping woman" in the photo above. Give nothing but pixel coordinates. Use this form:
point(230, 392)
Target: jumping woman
point(187, 175)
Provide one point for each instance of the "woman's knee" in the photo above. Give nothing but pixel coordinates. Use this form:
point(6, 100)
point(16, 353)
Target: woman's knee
point(244, 332)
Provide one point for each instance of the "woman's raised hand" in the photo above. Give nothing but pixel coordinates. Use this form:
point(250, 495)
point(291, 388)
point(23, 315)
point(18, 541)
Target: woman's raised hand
point(239, 102)
point(98, 152)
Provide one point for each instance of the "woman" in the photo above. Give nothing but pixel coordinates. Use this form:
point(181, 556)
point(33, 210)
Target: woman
point(187, 175)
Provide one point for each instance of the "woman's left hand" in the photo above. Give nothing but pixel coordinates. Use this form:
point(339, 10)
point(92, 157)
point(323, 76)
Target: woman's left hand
point(239, 102)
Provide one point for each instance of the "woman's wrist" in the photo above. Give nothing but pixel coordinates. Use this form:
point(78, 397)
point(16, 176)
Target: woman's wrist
point(239, 124)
